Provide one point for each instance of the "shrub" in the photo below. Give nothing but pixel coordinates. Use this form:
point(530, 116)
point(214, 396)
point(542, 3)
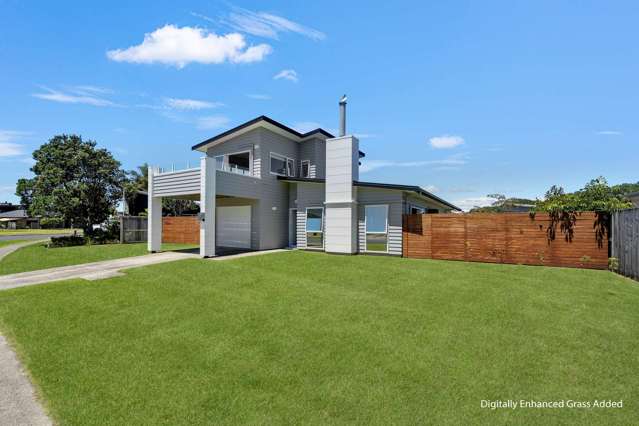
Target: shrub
point(51, 222)
point(67, 241)
point(613, 264)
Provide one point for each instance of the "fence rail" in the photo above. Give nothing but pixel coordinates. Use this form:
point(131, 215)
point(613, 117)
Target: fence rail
point(513, 238)
point(625, 241)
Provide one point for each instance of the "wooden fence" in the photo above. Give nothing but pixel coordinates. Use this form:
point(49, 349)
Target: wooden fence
point(625, 241)
point(181, 230)
point(502, 238)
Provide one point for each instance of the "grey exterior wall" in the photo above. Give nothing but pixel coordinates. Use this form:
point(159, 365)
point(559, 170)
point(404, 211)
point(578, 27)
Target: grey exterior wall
point(421, 202)
point(270, 214)
point(395, 201)
point(308, 195)
point(312, 195)
point(313, 150)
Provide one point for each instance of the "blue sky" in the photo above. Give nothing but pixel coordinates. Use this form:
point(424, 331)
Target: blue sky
point(461, 98)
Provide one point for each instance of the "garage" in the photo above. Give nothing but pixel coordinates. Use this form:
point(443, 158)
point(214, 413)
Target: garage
point(233, 226)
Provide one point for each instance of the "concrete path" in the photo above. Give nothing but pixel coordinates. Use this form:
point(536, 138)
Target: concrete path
point(18, 403)
point(6, 250)
point(89, 271)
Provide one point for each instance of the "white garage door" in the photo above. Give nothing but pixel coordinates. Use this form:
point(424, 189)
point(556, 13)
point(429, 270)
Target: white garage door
point(233, 226)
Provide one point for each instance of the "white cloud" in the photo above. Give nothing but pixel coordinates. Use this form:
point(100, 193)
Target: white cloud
point(431, 188)
point(306, 126)
point(263, 24)
point(454, 161)
point(212, 122)
point(176, 46)
point(9, 149)
point(88, 89)
point(74, 95)
point(468, 203)
point(609, 133)
point(445, 141)
point(258, 97)
point(12, 135)
point(190, 104)
point(365, 135)
point(287, 75)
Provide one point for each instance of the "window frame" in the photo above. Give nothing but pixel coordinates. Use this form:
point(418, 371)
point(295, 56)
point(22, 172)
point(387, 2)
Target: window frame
point(321, 227)
point(225, 160)
point(285, 159)
point(413, 206)
point(386, 206)
point(308, 170)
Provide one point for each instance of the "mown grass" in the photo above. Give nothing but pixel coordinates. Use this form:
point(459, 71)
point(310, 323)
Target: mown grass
point(38, 256)
point(10, 242)
point(318, 339)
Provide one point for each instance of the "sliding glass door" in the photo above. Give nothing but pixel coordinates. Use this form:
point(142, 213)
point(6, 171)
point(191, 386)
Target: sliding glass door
point(315, 227)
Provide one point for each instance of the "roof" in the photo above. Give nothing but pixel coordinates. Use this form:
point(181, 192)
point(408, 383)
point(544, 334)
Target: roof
point(408, 188)
point(15, 214)
point(261, 120)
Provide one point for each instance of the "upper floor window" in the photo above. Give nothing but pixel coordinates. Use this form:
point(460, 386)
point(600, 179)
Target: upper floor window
point(305, 169)
point(237, 162)
point(281, 165)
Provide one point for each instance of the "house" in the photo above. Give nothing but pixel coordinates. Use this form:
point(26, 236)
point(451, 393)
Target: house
point(6, 207)
point(263, 185)
point(634, 198)
point(18, 219)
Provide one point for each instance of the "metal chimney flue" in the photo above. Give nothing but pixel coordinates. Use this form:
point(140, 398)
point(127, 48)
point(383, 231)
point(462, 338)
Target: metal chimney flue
point(342, 116)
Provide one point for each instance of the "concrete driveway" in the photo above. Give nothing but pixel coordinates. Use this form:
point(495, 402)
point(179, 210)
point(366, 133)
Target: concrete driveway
point(89, 271)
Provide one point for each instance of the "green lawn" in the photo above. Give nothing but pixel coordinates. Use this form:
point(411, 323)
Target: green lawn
point(36, 231)
point(312, 338)
point(38, 256)
point(9, 242)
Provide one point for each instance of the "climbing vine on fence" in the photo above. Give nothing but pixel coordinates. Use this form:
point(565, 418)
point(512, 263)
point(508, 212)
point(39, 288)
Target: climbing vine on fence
point(563, 208)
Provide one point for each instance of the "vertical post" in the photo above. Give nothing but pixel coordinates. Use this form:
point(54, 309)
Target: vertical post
point(207, 207)
point(154, 243)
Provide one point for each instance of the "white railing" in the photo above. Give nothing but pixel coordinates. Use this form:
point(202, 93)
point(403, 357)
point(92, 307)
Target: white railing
point(172, 169)
point(234, 169)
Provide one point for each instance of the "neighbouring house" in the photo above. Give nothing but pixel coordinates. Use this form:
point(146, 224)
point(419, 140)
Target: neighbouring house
point(263, 185)
point(18, 219)
point(6, 207)
point(634, 198)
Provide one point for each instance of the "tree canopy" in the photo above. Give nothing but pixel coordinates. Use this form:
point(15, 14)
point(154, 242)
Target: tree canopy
point(74, 181)
point(502, 204)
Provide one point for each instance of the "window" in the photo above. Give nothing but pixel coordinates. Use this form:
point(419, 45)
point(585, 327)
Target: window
point(238, 162)
point(376, 219)
point(315, 227)
point(305, 169)
point(290, 167)
point(281, 165)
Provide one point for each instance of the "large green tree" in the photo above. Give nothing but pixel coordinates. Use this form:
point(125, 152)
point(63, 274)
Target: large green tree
point(74, 182)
